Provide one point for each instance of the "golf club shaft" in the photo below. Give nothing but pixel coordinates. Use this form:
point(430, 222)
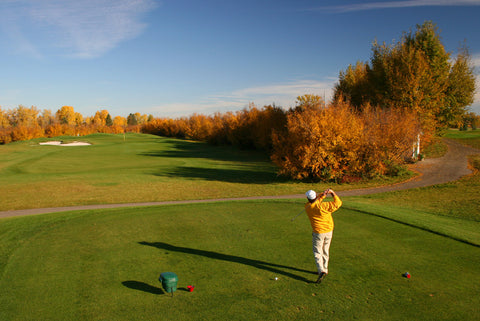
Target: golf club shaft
point(297, 215)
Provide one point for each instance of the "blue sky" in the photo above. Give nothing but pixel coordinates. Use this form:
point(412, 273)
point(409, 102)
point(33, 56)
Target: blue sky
point(172, 58)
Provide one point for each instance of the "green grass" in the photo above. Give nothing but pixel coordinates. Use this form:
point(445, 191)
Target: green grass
point(105, 264)
point(142, 168)
point(459, 199)
point(470, 137)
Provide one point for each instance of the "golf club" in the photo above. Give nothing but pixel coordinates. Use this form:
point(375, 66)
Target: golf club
point(297, 215)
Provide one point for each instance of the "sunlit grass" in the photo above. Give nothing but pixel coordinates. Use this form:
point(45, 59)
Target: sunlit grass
point(469, 137)
point(142, 168)
point(105, 264)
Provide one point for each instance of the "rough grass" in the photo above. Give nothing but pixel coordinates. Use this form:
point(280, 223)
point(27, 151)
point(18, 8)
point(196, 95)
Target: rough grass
point(105, 264)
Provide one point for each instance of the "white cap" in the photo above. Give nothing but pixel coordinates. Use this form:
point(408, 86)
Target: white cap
point(311, 195)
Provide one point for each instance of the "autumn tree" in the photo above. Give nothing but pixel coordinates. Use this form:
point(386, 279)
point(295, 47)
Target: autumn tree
point(46, 118)
point(319, 143)
point(309, 101)
point(24, 123)
point(78, 119)
point(23, 116)
point(4, 122)
point(100, 117)
point(66, 115)
point(337, 143)
point(119, 121)
point(5, 136)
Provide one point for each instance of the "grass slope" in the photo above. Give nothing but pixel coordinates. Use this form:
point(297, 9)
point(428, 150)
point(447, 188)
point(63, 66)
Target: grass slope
point(105, 264)
point(141, 168)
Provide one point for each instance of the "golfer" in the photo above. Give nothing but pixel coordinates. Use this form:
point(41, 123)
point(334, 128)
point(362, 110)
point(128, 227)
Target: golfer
point(320, 215)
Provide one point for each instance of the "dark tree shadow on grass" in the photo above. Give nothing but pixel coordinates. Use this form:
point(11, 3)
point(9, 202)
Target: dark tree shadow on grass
point(271, 267)
point(244, 176)
point(190, 149)
point(237, 166)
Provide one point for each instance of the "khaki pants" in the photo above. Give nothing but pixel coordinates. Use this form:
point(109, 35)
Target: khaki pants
point(321, 246)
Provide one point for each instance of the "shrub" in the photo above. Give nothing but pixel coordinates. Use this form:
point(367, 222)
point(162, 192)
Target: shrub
point(337, 143)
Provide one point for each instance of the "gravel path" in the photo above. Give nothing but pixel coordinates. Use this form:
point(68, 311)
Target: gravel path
point(448, 168)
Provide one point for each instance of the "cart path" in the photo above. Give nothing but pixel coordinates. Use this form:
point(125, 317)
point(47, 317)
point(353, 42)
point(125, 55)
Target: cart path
point(450, 167)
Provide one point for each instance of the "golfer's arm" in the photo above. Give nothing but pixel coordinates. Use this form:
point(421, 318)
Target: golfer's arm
point(321, 197)
point(336, 200)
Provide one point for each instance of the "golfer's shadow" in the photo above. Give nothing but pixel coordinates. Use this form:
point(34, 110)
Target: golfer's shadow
point(272, 267)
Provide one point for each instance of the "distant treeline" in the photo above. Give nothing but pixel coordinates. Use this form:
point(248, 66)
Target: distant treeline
point(24, 123)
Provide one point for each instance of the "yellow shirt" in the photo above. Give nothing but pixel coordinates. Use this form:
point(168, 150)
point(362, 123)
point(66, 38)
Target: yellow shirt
point(320, 214)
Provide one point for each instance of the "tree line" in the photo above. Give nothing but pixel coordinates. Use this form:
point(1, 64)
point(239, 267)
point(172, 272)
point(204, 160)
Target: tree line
point(380, 109)
point(312, 141)
point(24, 123)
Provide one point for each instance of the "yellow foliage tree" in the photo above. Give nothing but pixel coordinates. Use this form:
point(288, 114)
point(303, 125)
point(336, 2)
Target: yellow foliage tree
point(337, 143)
point(4, 122)
point(66, 115)
point(120, 121)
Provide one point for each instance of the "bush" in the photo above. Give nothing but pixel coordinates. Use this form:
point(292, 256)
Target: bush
point(336, 142)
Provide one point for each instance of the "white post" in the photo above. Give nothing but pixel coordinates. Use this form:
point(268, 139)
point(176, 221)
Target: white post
point(418, 145)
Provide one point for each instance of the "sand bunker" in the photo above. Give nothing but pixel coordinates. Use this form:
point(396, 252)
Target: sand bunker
point(59, 143)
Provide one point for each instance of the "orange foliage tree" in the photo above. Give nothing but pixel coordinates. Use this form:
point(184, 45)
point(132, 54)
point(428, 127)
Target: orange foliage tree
point(336, 143)
point(24, 123)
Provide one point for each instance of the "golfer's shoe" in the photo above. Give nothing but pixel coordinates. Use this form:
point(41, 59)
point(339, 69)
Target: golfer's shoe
point(321, 277)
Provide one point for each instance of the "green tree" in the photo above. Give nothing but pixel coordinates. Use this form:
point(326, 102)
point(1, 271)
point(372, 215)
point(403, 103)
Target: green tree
point(461, 88)
point(132, 120)
point(415, 74)
point(109, 121)
point(353, 85)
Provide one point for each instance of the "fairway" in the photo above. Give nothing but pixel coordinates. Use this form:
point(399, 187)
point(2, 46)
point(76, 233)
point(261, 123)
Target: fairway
point(105, 264)
point(136, 168)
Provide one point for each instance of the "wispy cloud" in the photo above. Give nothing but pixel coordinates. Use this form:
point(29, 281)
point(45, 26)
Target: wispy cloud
point(396, 4)
point(476, 64)
point(476, 61)
point(82, 28)
point(284, 95)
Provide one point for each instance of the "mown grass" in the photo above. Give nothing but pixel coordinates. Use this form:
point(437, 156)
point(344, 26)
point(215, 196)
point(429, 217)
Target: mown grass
point(470, 137)
point(435, 205)
point(105, 264)
point(140, 168)
point(459, 199)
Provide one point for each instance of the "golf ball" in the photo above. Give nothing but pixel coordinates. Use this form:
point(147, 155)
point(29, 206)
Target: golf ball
point(276, 279)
